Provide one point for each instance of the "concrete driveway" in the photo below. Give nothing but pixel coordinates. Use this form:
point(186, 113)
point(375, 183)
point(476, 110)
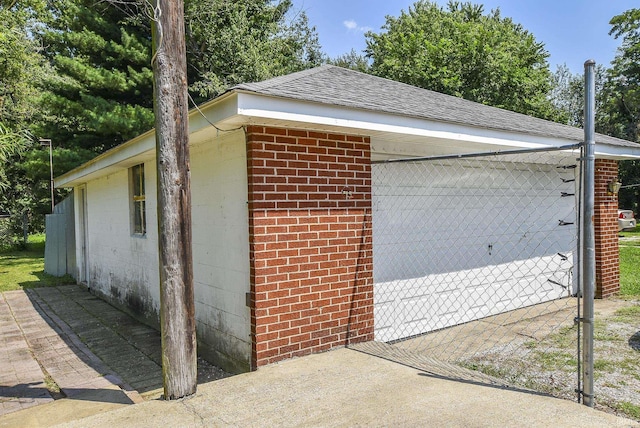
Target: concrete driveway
point(346, 387)
point(49, 337)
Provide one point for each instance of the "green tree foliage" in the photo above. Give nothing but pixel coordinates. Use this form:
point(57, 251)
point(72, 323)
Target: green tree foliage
point(29, 195)
point(463, 52)
point(19, 65)
point(567, 95)
point(620, 110)
point(78, 72)
point(19, 71)
point(623, 80)
point(230, 42)
point(101, 92)
point(12, 144)
point(353, 61)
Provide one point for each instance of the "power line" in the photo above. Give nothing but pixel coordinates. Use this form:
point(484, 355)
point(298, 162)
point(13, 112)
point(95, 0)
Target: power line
point(207, 119)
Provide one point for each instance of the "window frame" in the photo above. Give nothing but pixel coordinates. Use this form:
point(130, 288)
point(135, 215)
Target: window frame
point(137, 200)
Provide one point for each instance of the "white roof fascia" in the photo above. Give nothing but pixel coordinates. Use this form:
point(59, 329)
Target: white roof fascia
point(261, 106)
point(128, 150)
point(254, 106)
point(616, 152)
point(215, 112)
point(246, 107)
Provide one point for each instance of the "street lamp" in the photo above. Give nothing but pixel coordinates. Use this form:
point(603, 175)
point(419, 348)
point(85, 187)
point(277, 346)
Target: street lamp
point(44, 142)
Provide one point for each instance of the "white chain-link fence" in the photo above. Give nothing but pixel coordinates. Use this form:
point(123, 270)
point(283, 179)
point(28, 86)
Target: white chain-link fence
point(474, 262)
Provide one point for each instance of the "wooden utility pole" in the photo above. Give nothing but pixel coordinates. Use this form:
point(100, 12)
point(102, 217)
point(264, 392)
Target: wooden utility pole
point(177, 307)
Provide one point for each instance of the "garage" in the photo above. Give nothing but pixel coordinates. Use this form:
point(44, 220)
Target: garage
point(296, 175)
point(456, 239)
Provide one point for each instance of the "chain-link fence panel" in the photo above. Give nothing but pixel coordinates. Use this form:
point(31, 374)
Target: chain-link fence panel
point(474, 263)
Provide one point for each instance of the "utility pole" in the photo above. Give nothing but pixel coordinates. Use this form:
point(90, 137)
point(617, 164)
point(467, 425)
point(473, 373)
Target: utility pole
point(177, 307)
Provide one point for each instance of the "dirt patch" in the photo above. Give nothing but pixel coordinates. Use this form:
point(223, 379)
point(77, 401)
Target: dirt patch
point(207, 372)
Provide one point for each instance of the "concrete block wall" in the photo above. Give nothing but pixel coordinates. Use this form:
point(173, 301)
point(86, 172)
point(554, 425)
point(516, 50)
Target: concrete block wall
point(221, 251)
point(606, 230)
point(310, 241)
point(122, 268)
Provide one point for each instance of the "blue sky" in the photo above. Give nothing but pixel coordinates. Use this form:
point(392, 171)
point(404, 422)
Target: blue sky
point(572, 30)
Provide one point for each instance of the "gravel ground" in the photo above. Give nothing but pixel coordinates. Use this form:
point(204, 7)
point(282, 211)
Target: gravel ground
point(550, 365)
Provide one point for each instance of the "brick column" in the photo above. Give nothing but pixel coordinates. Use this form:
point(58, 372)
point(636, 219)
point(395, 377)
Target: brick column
point(606, 230)
point(310, 241)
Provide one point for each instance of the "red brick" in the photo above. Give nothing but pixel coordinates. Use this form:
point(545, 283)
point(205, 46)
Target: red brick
point(297, 183)
point(606, 230)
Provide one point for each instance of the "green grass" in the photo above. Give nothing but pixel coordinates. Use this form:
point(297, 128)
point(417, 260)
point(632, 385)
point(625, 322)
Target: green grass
point(630, 264)
point(550, 359)
point(628, 314)
point(635, 233)
point(630, 271)
point(629, 409)
point(24, 268)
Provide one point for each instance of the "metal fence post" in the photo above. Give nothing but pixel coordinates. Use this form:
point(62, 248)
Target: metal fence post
point(589, 256)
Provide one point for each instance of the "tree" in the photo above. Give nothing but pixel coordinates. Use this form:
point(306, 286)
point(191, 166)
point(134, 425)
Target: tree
point(621, 107)
point(229, 42)
point(567, 95)
point(28, 194)
point(20, 70)
point(623, 80)
point(101, 92)
point(353, 61)
point(12, 143)
point(463, 52)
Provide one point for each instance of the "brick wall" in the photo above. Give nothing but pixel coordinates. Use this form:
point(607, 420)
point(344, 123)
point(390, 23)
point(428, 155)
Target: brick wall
point(606, 230)
point(310, 241)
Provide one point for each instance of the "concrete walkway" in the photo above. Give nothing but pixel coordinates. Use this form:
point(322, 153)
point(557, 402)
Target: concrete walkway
point(103, 362)
point(72, 355)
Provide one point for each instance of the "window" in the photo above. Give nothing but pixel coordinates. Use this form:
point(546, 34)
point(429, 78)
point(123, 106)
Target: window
point(138, 221)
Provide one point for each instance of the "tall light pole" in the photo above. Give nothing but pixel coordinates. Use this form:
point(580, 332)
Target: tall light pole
point(44, 142)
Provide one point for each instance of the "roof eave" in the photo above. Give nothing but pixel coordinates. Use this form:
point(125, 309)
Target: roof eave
point(216, 111)
point(268, 107)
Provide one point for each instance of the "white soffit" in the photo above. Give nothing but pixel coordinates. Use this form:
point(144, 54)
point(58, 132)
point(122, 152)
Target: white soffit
point(394, 134)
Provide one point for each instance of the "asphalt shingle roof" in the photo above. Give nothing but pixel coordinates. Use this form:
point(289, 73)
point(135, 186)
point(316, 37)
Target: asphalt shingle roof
point(347, 88)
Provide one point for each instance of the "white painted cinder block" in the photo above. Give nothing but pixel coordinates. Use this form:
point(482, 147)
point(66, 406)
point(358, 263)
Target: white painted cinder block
point(221, 247)
point(124, 267)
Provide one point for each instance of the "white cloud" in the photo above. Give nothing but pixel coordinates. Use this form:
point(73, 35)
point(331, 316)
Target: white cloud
point(352, 25)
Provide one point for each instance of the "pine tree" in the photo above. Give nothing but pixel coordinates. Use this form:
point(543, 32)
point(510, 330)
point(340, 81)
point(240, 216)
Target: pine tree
point(102, 92)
